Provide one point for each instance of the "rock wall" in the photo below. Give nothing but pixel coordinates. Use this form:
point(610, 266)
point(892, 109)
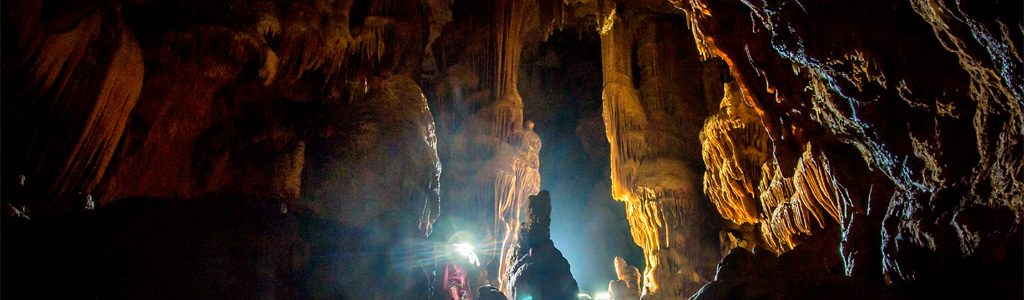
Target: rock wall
point(311, 105)
point(911, 114)
point(829, 123)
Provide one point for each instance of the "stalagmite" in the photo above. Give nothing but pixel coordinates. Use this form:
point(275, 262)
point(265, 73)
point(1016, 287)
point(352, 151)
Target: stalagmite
point(627, 286)
point(537, 270)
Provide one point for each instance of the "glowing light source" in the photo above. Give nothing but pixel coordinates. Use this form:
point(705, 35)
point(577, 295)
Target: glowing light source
point(602, 296)
point(466, 250)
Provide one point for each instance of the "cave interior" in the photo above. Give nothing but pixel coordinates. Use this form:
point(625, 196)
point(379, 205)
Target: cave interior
point(512, 149)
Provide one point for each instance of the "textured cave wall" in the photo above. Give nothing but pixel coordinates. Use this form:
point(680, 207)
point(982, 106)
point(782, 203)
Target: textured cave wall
point(912, 112)
point(72, 77)
point(223, 88)
point(309, 105)
point(653, 108)
point(747, 187)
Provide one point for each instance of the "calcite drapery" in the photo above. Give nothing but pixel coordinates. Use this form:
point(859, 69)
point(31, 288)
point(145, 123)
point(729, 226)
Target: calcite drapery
point(491, 154)
point(744, 182)
point(734, 149)
point(512, 186)
point(75, 78)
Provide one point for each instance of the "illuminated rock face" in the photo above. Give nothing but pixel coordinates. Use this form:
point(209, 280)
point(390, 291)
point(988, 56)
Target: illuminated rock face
point(490, 152)
point(901, 130)
point(655, 153)
point(627, 286)
point(747, 187)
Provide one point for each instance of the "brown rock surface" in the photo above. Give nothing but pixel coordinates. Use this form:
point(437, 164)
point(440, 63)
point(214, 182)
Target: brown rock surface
point(913, 152)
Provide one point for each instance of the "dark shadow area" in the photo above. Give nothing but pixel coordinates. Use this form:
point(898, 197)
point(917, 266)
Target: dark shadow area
point(216, 248)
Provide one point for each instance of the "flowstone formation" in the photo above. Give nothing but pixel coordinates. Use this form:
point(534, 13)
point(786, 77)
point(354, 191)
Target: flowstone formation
point(490, 151)
point(652, 127)
point(537, 270)
point(747, 187)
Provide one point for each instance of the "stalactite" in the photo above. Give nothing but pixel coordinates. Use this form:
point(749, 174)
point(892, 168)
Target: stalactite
point(302, 41)
point(268, 71)
point(695, 10)
point(268, 19)
point(317, 36)
point(652, 133)
point(799, 205)
point(510, 18)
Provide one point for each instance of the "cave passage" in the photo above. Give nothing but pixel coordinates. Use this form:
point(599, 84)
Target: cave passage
point(587, 225)
point(512, 149)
